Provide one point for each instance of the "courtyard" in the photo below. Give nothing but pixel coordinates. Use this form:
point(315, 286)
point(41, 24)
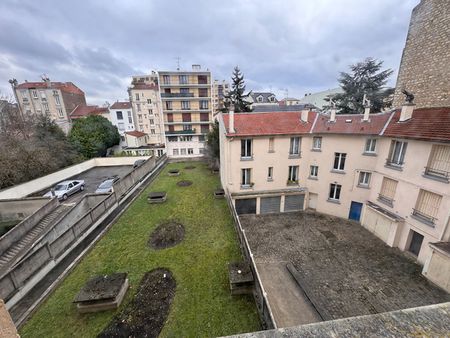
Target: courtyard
point(197, 261)
point(343, 269)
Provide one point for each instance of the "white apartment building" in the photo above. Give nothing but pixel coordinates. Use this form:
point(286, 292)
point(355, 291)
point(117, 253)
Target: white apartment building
point(121, 115)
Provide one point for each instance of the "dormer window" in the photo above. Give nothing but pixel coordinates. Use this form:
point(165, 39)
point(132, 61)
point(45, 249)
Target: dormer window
point(259, 99)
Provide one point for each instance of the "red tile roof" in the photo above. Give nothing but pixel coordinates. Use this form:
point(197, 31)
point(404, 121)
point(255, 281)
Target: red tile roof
point(67, 87)
point(135, 133)
point(274, 123)
point(351, 124)
point(86, 110)
point(430, 124)
point(121, 105)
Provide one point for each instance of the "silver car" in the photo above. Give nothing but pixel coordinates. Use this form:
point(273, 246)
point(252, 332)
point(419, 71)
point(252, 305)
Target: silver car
point(107, 185)
point(66, 188)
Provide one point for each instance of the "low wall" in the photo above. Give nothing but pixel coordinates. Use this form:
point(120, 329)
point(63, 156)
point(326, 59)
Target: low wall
point(18, 209)
point(437, 269)
point(38, 184)
point(28, 223)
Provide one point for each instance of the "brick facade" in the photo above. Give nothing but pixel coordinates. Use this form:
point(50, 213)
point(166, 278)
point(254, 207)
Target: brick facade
point(425, 64)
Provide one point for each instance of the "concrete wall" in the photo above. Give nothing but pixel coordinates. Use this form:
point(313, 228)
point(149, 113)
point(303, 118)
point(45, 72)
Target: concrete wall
point(437, 268)
point(18, 209)
point(424, 68)
point(25, 189)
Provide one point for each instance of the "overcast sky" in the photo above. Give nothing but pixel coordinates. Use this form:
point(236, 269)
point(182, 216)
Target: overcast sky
point(298, 45)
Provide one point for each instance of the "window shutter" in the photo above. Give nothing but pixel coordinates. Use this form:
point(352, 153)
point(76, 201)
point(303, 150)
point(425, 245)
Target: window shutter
point(440, 158)
point(428, 203)
point(388, 188)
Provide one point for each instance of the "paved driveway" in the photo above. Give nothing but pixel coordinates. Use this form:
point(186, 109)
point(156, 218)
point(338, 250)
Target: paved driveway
point(342, 268)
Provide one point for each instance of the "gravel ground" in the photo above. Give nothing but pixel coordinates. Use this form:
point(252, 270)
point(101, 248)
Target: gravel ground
point(345, 270)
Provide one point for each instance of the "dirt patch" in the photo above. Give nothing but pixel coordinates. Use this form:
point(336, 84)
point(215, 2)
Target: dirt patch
point(166, 235)
point(190, 167)
point(146, 314)
point(184, 183)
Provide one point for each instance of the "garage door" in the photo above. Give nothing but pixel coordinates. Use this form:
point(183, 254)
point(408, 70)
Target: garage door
point(293, 202)
point(377, 224)
point(246, 206)
point(270, 204)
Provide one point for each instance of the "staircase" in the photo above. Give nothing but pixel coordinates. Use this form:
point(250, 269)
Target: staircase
point(32, 235)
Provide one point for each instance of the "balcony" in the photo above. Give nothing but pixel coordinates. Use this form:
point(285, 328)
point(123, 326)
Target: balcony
point(386, 200)
point(181, 132)
point(190, 83)
point(436, 174)
point(164, 95)
point(424, 218)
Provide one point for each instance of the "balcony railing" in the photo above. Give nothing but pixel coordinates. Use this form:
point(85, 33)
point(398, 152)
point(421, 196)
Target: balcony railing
point(177, 94)
point(423, 217)
point(181, 132)
point(386, 200)
point(392, 164)
point(440, 174)
point(190, 83)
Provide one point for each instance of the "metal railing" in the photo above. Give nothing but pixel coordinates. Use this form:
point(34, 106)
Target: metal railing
point(423, 217)
point(437, 173)
point(177, 94)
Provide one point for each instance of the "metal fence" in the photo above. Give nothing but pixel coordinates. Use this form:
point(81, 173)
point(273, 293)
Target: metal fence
point(259, 293)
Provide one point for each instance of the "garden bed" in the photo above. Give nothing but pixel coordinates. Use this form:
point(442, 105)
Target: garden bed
point(166, 235)
point(184, 183)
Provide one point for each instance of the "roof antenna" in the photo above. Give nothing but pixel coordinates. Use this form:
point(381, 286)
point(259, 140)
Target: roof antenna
point(178, 62)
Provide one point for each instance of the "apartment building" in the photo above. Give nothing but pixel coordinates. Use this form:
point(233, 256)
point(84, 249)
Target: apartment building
point(58, 99)
point(219, 90)
point(389, 171)
point(187, 108)
point(121, 115)
point(85, 110)
point(147, 111)
point(262, 98)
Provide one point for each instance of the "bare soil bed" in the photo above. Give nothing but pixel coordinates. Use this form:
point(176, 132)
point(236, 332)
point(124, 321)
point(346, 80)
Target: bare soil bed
point(146, 314)
point(184, 183)
point(166, 235)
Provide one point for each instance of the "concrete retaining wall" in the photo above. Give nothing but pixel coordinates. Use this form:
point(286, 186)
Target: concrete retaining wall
point(28, 223)
point(18, 209)
point(38, 184)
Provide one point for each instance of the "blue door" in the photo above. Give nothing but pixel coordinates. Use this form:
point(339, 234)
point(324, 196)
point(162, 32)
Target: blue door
point(355, 211)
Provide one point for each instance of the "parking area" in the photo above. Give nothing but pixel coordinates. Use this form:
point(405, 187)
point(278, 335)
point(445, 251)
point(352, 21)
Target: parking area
point(343, 269)
point(93, 177)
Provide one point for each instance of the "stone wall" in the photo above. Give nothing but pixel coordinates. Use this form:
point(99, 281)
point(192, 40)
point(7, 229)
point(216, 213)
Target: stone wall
point(425, 64)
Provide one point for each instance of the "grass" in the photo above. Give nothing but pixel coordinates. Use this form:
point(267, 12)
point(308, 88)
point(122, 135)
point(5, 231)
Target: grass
point(203, 306)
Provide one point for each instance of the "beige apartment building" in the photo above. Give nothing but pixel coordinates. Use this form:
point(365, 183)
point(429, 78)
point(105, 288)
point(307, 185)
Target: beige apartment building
point(58, 99)
point(219, 90)
point(187, 109)
point(147, 112)
point(389, 171)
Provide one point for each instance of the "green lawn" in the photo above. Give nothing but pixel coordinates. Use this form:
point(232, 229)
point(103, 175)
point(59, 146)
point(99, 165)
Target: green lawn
point(203, 306)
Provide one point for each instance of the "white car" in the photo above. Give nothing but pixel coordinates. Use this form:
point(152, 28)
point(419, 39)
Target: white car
point(66, 188)
point(107, 185)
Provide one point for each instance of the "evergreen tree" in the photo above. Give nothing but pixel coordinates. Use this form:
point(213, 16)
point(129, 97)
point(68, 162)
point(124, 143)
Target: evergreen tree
point(236, 97)
point(213, 142)
point(365, 77)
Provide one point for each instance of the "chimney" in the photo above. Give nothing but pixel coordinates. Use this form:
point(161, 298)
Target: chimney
point(231, 122)
point(333, 114)
point(366, 113)
point(407, 111)
point(305, 113)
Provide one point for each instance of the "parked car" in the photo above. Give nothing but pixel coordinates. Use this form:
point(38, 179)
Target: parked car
point(107, 185)
point(66, 188)
point(138, 163)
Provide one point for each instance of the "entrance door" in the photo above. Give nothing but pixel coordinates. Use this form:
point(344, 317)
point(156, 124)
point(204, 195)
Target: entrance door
point(416, 243)
point(355, 211)
point(246, 206)
point(312, 201)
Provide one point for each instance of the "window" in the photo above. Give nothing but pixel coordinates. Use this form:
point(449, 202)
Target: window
point(335, 192)
point(190, 151)
point(45, 105)
point(172, 139)
point(317, 143)
point(186, 117)
point(185, 105)
point(43, 96)
point(35, 95)
point(427, 207)
point(204, 117)
point(183, 79)
point(137, 96)
point(293, 174)
point(185, 138)
point(270, 173)
point(364, 179)
point(246, 148)
point(57, 100)
point(201, 138)
point(387, 192)
point(121, 126)
point(166, 79)
point(184, 91)
point(138, 105)
point(119, 115)
point(271, 145)
point(259, 99)
point(339, 161)
point(203, 104)
point(169, 105)
point(152, 131)
point(201, 150)
point(187, 127)
point(203, 92)
point(294, 149)
point(246, 177)
point(150, 111)
point(175, 152)
point(152, 121)
point(183, 151)
point(202, 79)
point(371, 145)
point(130, 119)
point(139, 117)
point(141, 127)
point(60, 112)
point(149, 101)
point(169, 117)
point(397, 153)
point(313, 171)
point(439, 162)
